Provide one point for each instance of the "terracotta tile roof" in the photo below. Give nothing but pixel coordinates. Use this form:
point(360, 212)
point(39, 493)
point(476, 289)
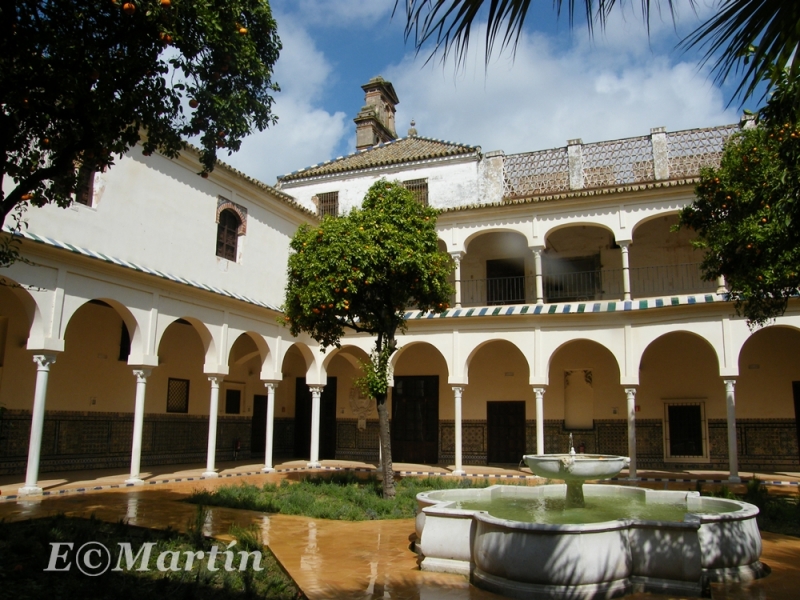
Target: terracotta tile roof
point(403, 150)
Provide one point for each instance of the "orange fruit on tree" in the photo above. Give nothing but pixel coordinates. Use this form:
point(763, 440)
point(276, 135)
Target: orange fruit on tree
point(165, 3)
point(242, 30)
point(129, 8)
point(194, 103)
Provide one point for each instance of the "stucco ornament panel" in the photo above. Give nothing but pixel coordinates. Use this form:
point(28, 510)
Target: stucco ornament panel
point(361, 406)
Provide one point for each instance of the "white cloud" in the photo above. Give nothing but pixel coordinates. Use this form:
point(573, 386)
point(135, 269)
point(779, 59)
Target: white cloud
point(306, 133)
point(617, 85)
point(336, 13)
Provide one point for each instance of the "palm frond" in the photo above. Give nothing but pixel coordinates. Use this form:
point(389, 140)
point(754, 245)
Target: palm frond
point(753, 38)
point(447, 24)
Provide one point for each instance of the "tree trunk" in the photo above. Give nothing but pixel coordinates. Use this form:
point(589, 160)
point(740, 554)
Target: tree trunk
point(386, 448)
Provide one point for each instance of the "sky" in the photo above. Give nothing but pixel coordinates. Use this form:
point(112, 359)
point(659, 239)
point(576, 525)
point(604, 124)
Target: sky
point(559, 84)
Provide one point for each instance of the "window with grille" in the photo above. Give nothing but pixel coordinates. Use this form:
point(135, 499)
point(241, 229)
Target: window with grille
point(685, 430)
point(233, 402)
point(178, 395)
point(227, 234)
point(418, 187)
point(84, 193)
point(328, 204)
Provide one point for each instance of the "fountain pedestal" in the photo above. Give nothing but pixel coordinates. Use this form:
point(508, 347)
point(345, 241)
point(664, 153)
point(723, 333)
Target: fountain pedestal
point(575, 469)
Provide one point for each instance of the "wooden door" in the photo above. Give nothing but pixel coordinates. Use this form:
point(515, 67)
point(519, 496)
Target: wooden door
point(415, 419)
point(327, 420)
point(258, 427)
point(506, 431)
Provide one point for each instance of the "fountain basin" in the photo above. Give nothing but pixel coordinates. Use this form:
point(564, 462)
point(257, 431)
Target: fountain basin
point(595, 560)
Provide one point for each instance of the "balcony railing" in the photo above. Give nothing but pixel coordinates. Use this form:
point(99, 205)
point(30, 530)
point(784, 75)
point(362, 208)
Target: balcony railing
point(600, 284)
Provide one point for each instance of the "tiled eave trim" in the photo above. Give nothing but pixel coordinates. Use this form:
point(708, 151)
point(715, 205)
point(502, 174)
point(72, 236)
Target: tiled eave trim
point(585, 193)
point(384, 166)
point(136, 267)
point(569, 308)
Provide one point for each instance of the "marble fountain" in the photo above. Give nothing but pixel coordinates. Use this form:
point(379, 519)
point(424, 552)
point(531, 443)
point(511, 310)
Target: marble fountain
point(581, 541)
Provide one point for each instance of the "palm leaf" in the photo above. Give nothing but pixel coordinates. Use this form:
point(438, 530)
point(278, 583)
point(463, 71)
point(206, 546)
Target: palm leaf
point(754, 38)
point(448, 23)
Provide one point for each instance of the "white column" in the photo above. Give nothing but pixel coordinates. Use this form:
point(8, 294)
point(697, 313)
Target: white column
point(213, 409)
point(457, 391)
point(537, 261)
point(138, 425)
point(316, 394)
point(630, 393)
point(626, 272)
point(457, 260)
point(539, 420)
point(733, 450)
point(269, 438)
point(722, 287)
point(31, 487)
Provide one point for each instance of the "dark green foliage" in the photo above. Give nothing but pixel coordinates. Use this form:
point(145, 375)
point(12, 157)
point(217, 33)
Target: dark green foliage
point(747, 212)
point(342, 497)
point(82, 81)
point(777, 513)
point(25, 552)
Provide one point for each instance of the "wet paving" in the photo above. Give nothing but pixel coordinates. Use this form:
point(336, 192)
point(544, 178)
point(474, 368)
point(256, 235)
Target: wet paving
point(337, 559)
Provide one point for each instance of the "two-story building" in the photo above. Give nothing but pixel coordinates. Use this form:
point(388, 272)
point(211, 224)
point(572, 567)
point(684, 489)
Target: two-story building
point(142, 327)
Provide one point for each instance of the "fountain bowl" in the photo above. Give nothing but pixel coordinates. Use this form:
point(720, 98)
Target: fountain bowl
point(576, 467)
point(594, 560)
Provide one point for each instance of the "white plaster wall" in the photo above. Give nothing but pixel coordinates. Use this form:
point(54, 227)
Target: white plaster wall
point(159, 213)
point(450, 183)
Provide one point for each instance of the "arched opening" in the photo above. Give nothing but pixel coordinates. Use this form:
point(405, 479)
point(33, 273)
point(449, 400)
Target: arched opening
point(681, 414)
point(292, 427)
point(496, 270)
point(418, 401)
point(663, 261)
point(16, 315)
point(768, 399)
point(585, 398)
point(496, 405)
point(355, 435)
point(581, 262)
point(241, 427)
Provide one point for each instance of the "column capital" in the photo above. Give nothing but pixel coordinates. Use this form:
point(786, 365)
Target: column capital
point(624, 243)
point(458, 389)
point(537, 249)
point(43, 361)
point(457, 255)
point(270, 384)
point(141, 374)
point(215, 379)
point(316, 387)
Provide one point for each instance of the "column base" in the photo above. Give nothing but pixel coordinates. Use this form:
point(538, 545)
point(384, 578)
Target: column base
point(735, 479)
point(134, 481)
point(268, 470)
point(634, 478)
point(458, 472)
point(29, 490)
point(210, 474)
point(313, 465)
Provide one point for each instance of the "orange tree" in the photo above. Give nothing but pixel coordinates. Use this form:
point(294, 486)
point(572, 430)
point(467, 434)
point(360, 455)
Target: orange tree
point(747, 212)
point(361, 272)
point(82, 81)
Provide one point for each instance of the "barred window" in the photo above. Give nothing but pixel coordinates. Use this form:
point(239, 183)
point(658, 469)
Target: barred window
point(227, 234)
point(328, 204)
point(84, 193)
point(418, 187)
point(178, 395)
point(685, 430)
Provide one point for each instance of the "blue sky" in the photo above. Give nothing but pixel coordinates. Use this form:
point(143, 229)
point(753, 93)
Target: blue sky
point(560, 84)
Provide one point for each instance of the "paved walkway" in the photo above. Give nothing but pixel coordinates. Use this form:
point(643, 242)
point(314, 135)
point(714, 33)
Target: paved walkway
point(333, 559)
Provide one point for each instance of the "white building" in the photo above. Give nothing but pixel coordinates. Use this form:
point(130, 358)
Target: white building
point(143, 327)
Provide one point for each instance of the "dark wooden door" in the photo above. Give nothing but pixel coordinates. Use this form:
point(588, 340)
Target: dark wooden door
point(796, 390)
point(258, 427)
point(415, 419)
point(506, 431)
point(327, 420)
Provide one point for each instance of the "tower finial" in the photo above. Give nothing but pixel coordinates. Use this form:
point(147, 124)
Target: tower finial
point(413, 131)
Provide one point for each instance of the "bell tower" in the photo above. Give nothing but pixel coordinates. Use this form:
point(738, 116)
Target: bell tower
point(375, 120)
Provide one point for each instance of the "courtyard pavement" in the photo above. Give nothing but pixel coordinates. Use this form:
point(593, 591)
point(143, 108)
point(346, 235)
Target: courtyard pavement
point(334, 559)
